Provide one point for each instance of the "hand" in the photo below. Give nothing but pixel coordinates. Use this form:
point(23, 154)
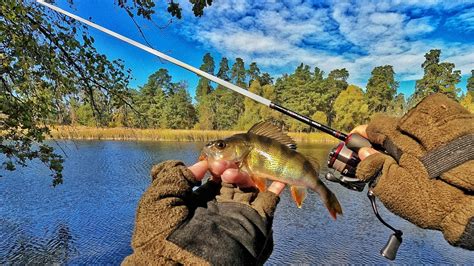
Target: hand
point(229, 173)
point(365, 151)
point(177, 223)
point(406, 184)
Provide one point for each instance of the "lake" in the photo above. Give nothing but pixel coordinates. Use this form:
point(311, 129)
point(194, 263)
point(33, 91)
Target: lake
point(89, 219)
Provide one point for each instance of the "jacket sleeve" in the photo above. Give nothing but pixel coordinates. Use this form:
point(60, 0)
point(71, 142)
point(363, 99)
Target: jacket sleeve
point(402, 182)
point(162, 208)
point(218, 224)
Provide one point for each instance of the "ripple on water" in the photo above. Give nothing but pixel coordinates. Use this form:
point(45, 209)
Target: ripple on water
point(89, 219)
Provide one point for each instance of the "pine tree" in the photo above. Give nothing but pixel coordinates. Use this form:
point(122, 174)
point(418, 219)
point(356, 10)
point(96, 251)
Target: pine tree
point(438, 77)
point(253, 73)
point(178, 111)
point(294, 92)
point(381, 88)
point(204, 85)
point(239, 74)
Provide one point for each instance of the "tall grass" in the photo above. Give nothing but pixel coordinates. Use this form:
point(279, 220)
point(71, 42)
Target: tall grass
point(118, 133)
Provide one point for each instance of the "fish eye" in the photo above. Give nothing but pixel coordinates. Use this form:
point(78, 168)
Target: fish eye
point(220, 144)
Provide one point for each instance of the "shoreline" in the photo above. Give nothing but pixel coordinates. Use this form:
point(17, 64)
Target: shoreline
point(179, 135)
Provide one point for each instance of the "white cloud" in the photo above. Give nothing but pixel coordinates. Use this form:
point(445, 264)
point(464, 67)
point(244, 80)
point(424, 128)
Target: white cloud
point(342, 34)
point(463, 21)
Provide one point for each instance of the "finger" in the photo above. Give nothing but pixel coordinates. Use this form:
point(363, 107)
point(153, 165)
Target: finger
point(217, 168)
point(234, 176)
point(276, 187)
point(199, 169)
point(361, 130)
point(366, 152)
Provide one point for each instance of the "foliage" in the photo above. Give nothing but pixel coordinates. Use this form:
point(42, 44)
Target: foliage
point(351, 108)
point(145, 8)
point(468, 102)
point(438, 77)
point(470, 83)
point(381, 88)
point(44, 66)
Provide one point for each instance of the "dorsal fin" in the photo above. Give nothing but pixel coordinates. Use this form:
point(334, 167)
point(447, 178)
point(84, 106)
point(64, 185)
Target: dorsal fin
point(267, 129)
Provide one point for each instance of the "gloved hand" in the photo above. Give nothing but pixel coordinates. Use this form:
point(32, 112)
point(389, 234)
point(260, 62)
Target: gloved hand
point(409, 181)
point(218, 223)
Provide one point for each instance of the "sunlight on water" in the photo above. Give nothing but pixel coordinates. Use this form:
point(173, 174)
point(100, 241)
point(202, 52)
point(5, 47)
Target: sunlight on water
point(89, 219)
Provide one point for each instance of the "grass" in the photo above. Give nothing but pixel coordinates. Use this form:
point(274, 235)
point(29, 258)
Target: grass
point(89, 133)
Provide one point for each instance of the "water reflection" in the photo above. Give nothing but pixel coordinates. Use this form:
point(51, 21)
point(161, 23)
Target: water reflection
point(89, 219)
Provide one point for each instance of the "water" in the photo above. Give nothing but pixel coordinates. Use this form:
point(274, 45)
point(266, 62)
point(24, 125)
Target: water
point(89, 219)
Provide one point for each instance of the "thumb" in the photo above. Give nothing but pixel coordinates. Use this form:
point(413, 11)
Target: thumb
point(372, 162)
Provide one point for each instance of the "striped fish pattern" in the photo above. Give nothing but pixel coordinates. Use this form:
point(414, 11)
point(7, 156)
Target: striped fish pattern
point(266, 153)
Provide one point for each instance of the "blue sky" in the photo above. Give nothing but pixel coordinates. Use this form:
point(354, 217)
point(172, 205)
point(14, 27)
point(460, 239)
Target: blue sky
point(279, 35)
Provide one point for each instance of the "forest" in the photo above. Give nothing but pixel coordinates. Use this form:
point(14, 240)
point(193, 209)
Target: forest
point(328, 99)
point(51, 74)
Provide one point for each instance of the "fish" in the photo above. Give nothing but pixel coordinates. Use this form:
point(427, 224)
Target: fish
point(266, 153)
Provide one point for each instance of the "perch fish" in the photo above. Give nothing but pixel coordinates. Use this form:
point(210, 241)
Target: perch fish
point(264, 152)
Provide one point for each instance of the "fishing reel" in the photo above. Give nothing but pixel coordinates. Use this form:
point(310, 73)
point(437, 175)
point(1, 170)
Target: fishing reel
point(344, 159)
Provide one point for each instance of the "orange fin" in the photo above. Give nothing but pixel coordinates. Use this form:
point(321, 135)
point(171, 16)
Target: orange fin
point(298, 194)
point(261, 183)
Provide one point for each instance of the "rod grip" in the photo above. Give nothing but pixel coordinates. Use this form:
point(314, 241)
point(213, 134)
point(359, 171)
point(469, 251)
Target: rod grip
point(355, 141)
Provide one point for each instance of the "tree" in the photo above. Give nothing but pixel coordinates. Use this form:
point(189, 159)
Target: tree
point(251, 114)
point(43, 65)
point(152, 98)
point(238, 73)
point(438, 77)
point(266, 79)
point(204, 86)
point(468, 102)
point(296, 92)
point(381, 88)
point(253, 73)
point(178, 111)
point(350, 108)
point(333, 85)
point(470, 83)
point(47, 59)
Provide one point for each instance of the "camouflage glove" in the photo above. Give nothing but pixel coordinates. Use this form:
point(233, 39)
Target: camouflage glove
point(176, 225)
point(407, 182)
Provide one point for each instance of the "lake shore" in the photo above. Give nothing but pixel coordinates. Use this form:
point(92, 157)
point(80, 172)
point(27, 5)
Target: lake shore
point(121, 133)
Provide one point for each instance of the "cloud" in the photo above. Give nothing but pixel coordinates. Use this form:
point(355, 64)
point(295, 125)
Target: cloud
point(463, 21)
point(356, 35)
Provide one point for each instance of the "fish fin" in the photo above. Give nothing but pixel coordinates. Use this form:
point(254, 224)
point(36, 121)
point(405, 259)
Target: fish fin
point(269, 130)
point(299, 194)
point(333, 206)
point(260, 183)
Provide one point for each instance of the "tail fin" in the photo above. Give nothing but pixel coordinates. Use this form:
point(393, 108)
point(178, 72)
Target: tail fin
point(333, 205)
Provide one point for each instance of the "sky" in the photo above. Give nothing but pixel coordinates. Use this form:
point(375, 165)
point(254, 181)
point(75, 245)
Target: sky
point(279, 35)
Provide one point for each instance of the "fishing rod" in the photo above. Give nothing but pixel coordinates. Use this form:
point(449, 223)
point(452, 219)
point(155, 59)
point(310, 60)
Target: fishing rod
point(343, 158)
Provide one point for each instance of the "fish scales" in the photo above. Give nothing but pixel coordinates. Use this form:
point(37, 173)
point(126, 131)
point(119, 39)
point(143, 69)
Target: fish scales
point(267, 153)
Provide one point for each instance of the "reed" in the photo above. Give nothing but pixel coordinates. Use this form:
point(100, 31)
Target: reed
point(120, 133)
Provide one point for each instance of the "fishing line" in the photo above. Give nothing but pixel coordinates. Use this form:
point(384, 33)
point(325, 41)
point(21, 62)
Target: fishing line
point(226, 84)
